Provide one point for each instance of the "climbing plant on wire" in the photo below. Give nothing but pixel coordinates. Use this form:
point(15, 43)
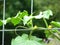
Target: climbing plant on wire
point(27, 20)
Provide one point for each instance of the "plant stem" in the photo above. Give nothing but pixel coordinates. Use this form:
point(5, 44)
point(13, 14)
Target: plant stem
point(50, 30)
point(31, 19)
point(31, 29)
point(19, 27)
point(45, 22)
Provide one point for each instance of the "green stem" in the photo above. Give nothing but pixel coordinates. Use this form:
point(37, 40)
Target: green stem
point(45, 22)
point(31, 27)
point(49, 30)
point(19, 27)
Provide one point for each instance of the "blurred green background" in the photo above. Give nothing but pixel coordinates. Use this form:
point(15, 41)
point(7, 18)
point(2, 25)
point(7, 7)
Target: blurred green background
point(1, 9)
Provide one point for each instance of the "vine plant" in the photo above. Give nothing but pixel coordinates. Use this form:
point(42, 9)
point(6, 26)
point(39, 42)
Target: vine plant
point(27, 20)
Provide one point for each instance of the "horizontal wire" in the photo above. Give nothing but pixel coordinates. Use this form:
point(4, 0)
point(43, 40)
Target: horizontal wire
point(28, 29)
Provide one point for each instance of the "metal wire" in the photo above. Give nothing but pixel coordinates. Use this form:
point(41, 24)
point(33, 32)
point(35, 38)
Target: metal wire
point(3, 20)
point(29, 29)
point(31, 6)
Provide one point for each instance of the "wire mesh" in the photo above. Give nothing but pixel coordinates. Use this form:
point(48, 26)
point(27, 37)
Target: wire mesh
point(29, 29)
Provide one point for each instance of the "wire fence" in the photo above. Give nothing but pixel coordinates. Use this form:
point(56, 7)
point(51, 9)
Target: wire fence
point(29, 29)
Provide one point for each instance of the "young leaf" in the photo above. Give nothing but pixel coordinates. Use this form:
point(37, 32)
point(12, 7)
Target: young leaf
point(56, 24)
point(47, 14)
point(24, 13)
point(26, 19)
point(38, 16)
point(15, 21)
point(8, 20)
point(19, 17)
point(21, 14)
point(29, 24)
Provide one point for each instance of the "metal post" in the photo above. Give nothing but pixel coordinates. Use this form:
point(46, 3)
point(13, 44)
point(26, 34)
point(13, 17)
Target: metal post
point(3, 20)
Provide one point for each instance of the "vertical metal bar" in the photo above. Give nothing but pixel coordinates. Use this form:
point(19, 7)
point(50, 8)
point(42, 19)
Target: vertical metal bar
point(31, 20)
point(31, 6)
point(3, 20)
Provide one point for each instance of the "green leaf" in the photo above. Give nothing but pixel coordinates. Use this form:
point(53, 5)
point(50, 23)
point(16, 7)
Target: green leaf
point(47, 33)
point(1, 23)
point(23, 40)
point(39, 16)
point(21, 14)
point(8, 20)
point(15, 21)
point(47, 14)
point(26, 19)
point(36, 39)
point(19, 17)
point(55, 24)
point(25, 36)
point(29, 24)
point(24, 13)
